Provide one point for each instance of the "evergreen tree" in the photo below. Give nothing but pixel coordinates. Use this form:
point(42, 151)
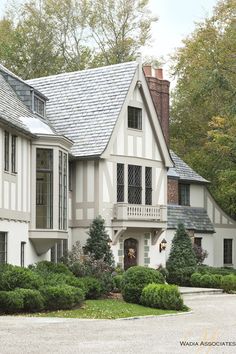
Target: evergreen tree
point(182, 260)
point(98, 241)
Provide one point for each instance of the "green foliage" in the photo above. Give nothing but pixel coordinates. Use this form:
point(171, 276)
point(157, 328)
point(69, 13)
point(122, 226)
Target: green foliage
point(11, 301)
point(135, 279)
point(44, 267)
point(182, 261)
point(162, 296)
point(203, 106)
point(61, 297)
point(97, 244)
point(213, 270)
point(32, 299)
point(118, 282)
point(229, 283)
point(40, 38)
point(92, 286)
point(208, 280)
point(13, 277)
point(119, 28)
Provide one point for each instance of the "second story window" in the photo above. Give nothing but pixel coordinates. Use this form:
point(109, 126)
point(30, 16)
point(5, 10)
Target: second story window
point(134, 184)
point(135, 118)
point(148, 185)
point(62, 190)
point(120, 182)
point(44, 189)
point(39, 106)
point(10, 149)
point(13, 153)
point(6, 151)
point(184, 194)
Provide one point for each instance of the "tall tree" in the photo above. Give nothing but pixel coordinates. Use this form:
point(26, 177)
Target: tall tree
point(206, 88)
point(44, 37)
point(120, 28)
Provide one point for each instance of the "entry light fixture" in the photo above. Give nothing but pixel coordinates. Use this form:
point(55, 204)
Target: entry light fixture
point(162, 245)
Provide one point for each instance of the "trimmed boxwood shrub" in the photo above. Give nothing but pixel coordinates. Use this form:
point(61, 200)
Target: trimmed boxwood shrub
point(162, 296)
point(32, 299)
point(61, 297)
point(11, 301)
point(204, 269)
point(206, 280)
point(17, 277)
point(135, 279)
point(228, 283)
point(92, 286)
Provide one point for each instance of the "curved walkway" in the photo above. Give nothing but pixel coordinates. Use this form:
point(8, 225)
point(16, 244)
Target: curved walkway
point(213, 320)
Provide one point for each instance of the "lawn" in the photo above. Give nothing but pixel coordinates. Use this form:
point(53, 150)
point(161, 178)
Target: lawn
point(106, 309)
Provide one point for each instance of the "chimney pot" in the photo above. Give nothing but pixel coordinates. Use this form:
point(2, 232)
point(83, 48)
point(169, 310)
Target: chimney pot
point(159, 74)
point(147, 70)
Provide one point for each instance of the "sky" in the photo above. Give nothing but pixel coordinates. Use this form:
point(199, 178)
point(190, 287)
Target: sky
point(176, 20)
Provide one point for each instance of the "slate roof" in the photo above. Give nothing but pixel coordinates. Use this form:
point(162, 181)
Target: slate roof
point(193, 218)
point(183, 171)
point(11, 107)
point(84, 105)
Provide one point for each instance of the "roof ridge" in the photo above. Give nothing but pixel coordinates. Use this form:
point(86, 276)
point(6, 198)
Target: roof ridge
point(83, 71)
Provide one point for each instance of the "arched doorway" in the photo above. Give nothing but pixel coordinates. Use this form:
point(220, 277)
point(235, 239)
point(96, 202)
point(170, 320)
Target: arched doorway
point(130, 253)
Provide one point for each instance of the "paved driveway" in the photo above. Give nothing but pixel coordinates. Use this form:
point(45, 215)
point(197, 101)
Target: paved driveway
point(213, 319)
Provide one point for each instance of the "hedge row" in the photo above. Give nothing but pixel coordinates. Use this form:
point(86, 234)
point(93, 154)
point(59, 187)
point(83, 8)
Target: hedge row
point(48, 298)
point(225, 282)
point(204, 269)
point(162, 296)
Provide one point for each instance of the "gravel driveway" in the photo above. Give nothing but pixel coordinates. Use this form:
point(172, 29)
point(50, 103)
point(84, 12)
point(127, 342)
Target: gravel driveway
point(213, 320)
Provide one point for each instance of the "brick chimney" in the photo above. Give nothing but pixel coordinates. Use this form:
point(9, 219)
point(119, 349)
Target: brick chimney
point(159, 90)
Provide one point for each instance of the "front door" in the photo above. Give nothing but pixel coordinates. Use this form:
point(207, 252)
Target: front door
point(130, 253)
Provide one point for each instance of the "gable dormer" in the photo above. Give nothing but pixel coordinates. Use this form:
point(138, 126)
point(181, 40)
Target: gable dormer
point(31, 97)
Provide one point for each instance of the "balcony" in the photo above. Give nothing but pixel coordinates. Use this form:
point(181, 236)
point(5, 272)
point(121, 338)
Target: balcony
point(133, 212)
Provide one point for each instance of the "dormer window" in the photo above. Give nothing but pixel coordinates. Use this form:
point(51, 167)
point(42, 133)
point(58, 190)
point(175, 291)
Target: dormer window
point(135, 118)
point(39, 106)
point(184, 194)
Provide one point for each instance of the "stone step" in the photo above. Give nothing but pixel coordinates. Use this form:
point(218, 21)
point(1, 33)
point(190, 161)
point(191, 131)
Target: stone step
point(199, 291)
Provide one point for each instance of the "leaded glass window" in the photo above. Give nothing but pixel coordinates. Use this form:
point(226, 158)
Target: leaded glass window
point(62, 190)
point(134, 184)
point(135, 118)
point(120, 182)
point(39, 106)
point(6, 151)
point(44, 189)
point(3, 247)
point(148, 185)
point(228, 251)
point(13, 153)
point(184, 194)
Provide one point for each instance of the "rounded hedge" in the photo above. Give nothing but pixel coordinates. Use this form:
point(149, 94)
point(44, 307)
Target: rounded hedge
point(32, 299)
point(135, 279)
point(61, 297)
point(228, 283)
point(11, 301)
point(18, 277)
point(162, 296)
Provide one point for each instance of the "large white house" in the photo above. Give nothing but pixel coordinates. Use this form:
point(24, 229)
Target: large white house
point(94, 142)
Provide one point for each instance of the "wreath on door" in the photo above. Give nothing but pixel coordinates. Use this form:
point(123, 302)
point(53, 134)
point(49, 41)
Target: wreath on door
point(131, 253)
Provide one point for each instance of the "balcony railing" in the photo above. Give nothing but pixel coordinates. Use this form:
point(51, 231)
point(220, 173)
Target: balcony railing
point(140, 212)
